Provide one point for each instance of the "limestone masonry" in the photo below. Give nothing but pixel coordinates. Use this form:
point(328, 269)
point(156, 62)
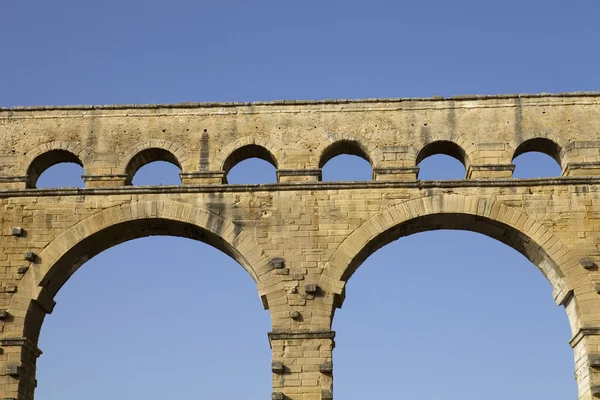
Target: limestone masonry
point(300, 239)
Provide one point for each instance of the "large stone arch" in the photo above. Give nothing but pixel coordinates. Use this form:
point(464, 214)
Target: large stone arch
point(74, 246)
point(488, 217)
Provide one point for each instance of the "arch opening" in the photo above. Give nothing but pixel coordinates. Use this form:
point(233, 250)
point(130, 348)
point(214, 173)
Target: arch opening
point(437, 161)
point(347, 147)
point(346, 160)
point(536, 158)
point(347, 168)
point(149, 156)
point(153, 298)
point(450, 301)
point(251, 163)
point(157, 173)
point(65, 174)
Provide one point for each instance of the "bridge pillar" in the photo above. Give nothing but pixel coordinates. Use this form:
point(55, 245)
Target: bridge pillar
point(587, 363)
point(302, 365)
point(18, 358)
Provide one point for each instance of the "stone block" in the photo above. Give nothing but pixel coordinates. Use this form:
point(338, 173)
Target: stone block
point(587, 263)
point(30, 256)
point(277, 367)
point(326, 368)
point(12, 370)
point(311, 288)
point(277, 263)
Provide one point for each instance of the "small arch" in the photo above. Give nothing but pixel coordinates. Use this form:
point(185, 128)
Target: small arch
point(442, 147)
point(446, 148)
point(540, 145)
point(245, 152)
point(46, 160)
point(148, 156)
point(350, 147)
point(543, 152)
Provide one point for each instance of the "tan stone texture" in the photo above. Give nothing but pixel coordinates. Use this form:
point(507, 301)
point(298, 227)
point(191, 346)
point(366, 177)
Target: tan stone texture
point(300, 239)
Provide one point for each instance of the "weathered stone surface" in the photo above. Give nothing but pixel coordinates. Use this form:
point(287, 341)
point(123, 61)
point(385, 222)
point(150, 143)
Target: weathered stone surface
point(324, 230)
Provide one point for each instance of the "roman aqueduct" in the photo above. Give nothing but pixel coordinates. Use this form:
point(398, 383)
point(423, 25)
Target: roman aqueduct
point(300, 239)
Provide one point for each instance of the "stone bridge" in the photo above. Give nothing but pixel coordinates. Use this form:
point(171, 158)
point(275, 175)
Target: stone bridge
point(300, 239)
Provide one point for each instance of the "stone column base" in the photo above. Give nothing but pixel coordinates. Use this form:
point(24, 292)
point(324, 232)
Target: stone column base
point(203, 178)
point(490, 171)
point(396, 174)
point(109, 180)
point(582, 169)
point(298, 175)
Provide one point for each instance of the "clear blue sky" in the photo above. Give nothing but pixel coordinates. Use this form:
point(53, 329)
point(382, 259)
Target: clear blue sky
point(427, 316)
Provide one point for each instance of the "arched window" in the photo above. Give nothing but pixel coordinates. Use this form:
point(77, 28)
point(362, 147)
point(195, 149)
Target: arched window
point(346, 160)
point(153, 166)
point(250, 164)
point(55, 168)
point(537, 158)
point(442, 160)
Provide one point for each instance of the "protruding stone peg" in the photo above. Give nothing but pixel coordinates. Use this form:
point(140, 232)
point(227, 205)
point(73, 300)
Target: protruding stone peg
point(11, 289)
point(587, 263)
point(3, 314)
point(598, 288)
point(326, 367)
point(594, 360)
point(18, 231)
point(326, 395)
point(277, 367)
point(278, 263)
point(30, 256)
point(12, 370)
point(295, 315)
point(277, 396)
point(22, 269)
point(311, 288)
